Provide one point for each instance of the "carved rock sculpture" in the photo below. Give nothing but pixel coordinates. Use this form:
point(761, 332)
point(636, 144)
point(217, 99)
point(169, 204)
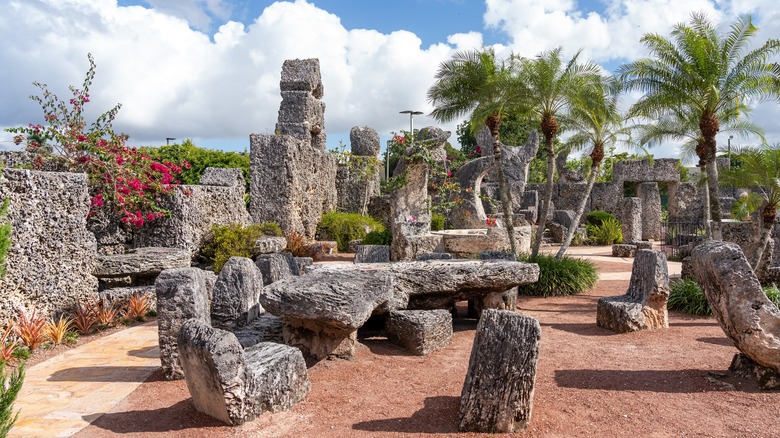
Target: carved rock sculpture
point(643, 307)
point(420, 332)
point(235, 295)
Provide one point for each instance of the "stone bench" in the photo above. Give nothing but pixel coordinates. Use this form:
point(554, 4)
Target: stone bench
point(421, 332)
point(233, 384)
point(644, 305)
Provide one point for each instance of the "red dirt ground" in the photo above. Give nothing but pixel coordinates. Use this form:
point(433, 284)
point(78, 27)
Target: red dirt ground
point(590, 382)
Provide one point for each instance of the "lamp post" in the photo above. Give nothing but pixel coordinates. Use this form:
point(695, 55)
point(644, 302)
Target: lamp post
point(411, 113)
point(168, 140)
point(729, 149)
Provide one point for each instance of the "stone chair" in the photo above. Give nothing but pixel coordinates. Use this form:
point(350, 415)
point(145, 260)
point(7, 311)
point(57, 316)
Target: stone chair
point(233, 384)
point(643, 307)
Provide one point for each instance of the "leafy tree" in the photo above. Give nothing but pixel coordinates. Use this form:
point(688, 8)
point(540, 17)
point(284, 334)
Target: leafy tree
point(199, 159)
point(552, 84)
point(759, 171)
point(594, 117)
point(703, 73)
point(10, 385)
point(489, 89)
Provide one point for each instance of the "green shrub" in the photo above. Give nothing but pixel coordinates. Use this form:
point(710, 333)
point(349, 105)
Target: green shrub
point(345, 227)
point(609, 231)
point(437, 222)
point(199, 159)
point(378, 238)
point(773, 293)
point(567, 276)
point(686, 296)
point(9, 389)
point(225, 241)
point(596, 217)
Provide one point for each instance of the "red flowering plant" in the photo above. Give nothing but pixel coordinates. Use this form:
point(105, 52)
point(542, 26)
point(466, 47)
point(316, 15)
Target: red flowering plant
point(122, 180)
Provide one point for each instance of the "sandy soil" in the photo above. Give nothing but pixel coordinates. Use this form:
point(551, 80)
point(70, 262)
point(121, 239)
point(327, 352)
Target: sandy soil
point(590, 382)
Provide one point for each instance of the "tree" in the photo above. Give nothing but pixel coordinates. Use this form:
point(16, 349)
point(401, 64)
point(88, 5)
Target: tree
point(489, 89)
point(552, 84)
point(594, 116)
point(10, 385)
point(712, 75)
point(759, 171)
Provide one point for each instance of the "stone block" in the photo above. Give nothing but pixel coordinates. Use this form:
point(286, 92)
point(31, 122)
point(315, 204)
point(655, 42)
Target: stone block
point(640, 170)
point(277, 266)
point(235, 297)
point(372, 254)
point(356, 183)
point(302, 75)
point(623, 250)
point(301, 106)
point(270, 244)
point(685, 203)
point(141, 263)
point(606, 196)
point(742, 366)
point(265, 328)
point(364, 141)
point(643, 307)
point(497, 394)
point(433, 256)
point(224, 177)
point(52, 254)
point(564, 217)
point(235, 385)
point(631, 220)
point(181, 295)
point(651, 210)
point(303, 264)
point(420, 332)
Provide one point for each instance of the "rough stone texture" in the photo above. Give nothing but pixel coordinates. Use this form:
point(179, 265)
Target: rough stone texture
point(506, 300)
point(624, 250)
point(739, 304)
point(225, 177)
point(303, 264)
point(651, 210)
point(265, 328)
point(52, 255)
point(379, 209)
point(564, 217)
point(364, 141)
point(372, 254)
point(631, 220)
point(685, 202)
point(194, 210)
point(412, 245)
point(470, 244)
point(421, 332)
point(606, 196)
point(322, 310)
point(409, 210)
point(293, 176)
point(142, 265)
point(643, 244)
point(181, 295)
point(471, 213)
point(433, 256)
point(767, 378)
point(557, 232)
point(567, 196)
point(234, 301)
point(643, 307)
point(659, 170)
point(275, 267)
point(357, 181)
point(270, 244)
point(498, 392)
point(235, 385)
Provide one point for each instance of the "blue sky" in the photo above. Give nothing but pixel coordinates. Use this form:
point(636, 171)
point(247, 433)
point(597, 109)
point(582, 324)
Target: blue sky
point(209, 69)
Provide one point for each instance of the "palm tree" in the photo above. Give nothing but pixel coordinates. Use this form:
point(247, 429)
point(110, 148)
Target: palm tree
point(552, 83)
point(716, 76)
point(476, 82)
point(594, 117)
point(759, 171)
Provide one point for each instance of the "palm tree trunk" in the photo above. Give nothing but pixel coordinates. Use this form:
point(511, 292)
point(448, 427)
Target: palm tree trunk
point(580, 211)
point(768, 220)
point(548, 188)
point(705, 195)
point(712, 185)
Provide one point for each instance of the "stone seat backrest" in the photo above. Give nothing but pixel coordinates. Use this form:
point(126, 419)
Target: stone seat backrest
point(649, 277)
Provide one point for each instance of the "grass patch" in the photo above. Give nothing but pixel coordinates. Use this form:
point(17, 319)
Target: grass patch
point(346, 227)
point(686, 296)
point(567, 276)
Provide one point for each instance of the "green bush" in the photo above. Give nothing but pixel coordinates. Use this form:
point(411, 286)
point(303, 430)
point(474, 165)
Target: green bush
point(345, 227)
point(225, 241)
point(437, 222)
point(609, 231)
point(686, 296)
point(10, 385)
point(378, 238)
point(199, 159)
point(596, 217)
point(567, 276)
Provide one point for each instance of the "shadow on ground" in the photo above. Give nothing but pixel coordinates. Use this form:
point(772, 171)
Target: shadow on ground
point(180, 416)
point(438, 415)
point(671, 381)
point(102, 374)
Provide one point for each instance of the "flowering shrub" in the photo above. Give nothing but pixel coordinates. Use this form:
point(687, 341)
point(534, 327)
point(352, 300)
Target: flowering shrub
point(122, 179)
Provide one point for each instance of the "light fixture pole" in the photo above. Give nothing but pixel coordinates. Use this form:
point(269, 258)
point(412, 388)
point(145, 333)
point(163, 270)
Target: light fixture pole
point(411, 113)
point(168, 140)
point(729, 149)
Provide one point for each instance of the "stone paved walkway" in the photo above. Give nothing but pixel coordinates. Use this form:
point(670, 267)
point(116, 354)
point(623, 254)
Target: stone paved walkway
point(64, 394)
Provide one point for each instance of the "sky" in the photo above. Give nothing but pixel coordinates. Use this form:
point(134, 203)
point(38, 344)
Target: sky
point(209, 70)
